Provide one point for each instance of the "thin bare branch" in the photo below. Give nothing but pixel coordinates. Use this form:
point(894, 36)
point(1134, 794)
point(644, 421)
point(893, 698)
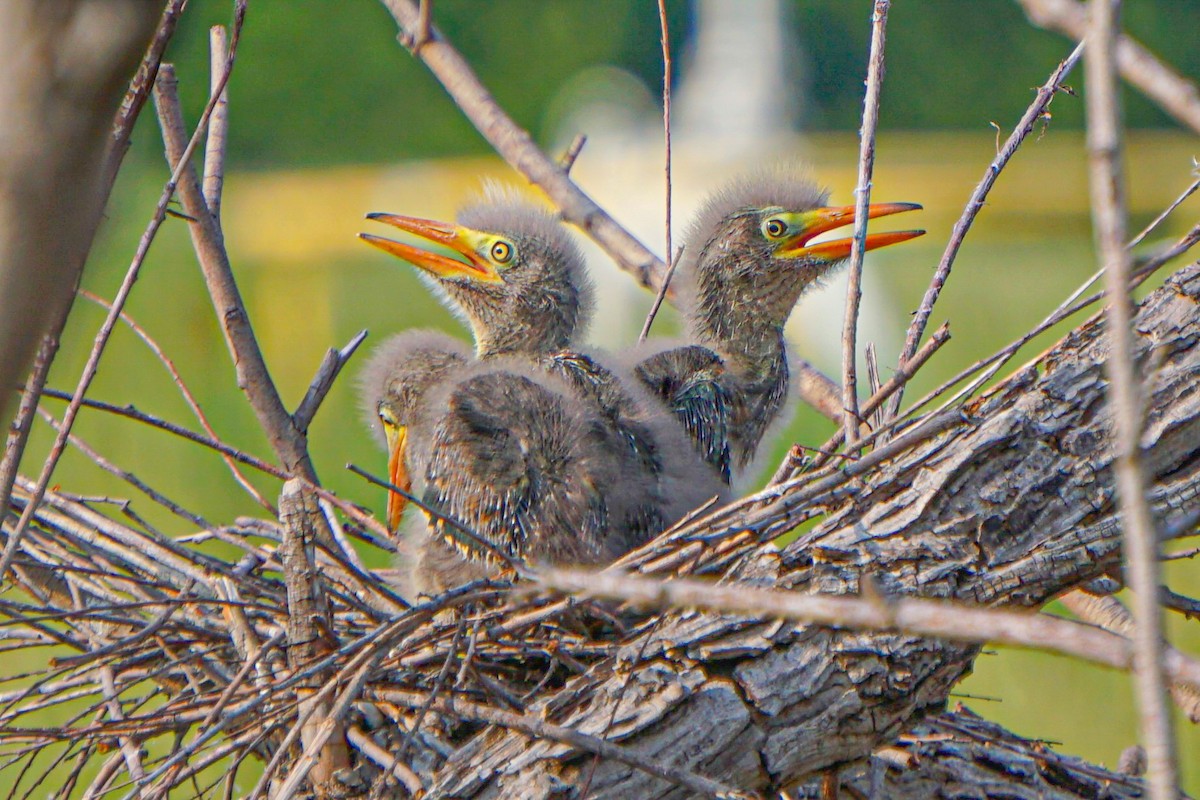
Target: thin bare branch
point(322, 382)
point(188, 397)
point(862, 198)
point(666, 95)
point(253, 377)
point(218, 125)
point(1107, 184)
point(181, 164)
point(131, 106)
point(1173, 93)
point(1026, 125)
point(871, 611)
point(1111, 614)
point(658, 298)
point(569, 156)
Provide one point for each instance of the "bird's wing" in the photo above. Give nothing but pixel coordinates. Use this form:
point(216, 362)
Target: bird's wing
point(690, 380)
point(506, 463)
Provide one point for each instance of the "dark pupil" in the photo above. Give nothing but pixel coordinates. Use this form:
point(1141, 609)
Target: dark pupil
point(500, 251)
point(775, 227)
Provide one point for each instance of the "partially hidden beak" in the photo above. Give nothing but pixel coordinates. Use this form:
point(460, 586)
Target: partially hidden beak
point(397, 475)
point(819, 220)
point(461, 240)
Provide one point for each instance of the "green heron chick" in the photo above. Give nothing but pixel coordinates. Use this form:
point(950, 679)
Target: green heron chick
point(747, 258)
point(520, 282)
point(496, 446)
point(521, 285)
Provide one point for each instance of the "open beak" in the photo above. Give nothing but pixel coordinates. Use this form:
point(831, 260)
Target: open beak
point(397, 436)
point(819, 220)
point(461, 240)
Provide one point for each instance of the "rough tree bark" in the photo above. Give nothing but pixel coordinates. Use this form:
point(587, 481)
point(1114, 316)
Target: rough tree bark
point(1010, 506)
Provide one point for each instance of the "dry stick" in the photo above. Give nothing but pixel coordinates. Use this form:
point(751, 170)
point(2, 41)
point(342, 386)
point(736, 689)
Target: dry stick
point(909, 615)
point(129, 412)
point(996, 361)
point(127, 476)
point(131, 106)
point(541, 729)
point(862, 198)
point(658, 298)
point(322, 382)
point(188, 397)
point(1028, 120)
point(253, 377)
point(218, 126)
point(899, 378)
point(517, 148)
point(1110, 613)
point(1141, 541)
point(666, 93)
point(569, 156)
point(89, 371)
point(1173, 93)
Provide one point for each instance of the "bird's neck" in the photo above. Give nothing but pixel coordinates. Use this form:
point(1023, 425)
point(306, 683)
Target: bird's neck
point(514, 339)
point(742, 321)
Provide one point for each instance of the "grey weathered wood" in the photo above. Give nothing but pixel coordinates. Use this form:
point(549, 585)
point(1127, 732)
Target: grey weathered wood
point(1013, 506)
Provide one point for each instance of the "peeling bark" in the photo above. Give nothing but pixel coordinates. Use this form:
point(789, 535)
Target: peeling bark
point(1011, 506)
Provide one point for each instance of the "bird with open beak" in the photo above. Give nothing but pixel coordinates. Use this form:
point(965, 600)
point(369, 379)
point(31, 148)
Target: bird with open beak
point(519, 281)
point(747, 258)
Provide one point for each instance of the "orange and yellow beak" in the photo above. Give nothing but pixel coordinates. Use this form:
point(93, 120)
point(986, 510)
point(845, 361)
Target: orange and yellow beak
point(810, 224)
point(464, 241)
point(397, 436)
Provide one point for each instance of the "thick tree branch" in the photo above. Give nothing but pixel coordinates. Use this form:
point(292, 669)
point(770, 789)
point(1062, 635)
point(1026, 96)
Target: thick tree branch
point(1011, 506)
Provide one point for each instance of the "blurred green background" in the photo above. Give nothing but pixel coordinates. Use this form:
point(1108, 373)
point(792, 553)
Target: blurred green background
point(331, 118)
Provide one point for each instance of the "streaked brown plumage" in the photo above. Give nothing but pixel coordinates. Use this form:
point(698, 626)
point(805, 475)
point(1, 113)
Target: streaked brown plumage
point(497, 446)
point(746, 261)
point(521, 287)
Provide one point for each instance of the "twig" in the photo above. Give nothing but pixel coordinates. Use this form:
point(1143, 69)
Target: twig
point(666, 94)
point(181, 164)
point(658, 298)
point(993, 363)
point(1172, 92)
point(385, 760)
point(188, 397)
point(862, 198)
point(218, 125)
point(912, 615)
point(322, 382)
point(516, 147)
point(1110, 613)
point(901, 377)
point(1028, 120)
point(253, 377)
point(460, 531)
point(1141, 541)
point(569, 156)
point(131, 107)
point(127, 476)
point(541, 729)
point(129, 412)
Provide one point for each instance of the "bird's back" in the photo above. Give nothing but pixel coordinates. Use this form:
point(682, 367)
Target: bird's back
point(514, 461)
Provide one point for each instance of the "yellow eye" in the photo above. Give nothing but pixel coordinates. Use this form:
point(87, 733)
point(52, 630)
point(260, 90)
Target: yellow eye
point(502, 252)
point(774, 228)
